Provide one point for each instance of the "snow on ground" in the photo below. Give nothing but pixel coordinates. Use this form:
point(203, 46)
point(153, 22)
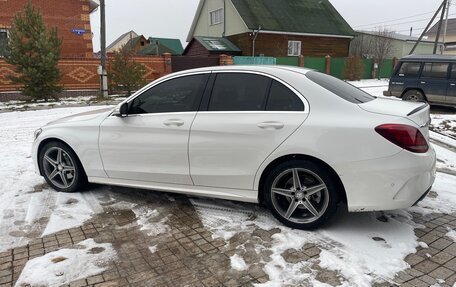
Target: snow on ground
point(147, 219)
point(67, 265)
point(373, 87)
point(451, 234)
point(444, 123)
point(238, 263)
point(24, 198)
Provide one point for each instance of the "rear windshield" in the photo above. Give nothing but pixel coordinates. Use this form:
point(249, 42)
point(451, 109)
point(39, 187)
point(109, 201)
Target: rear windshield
point(340, 88)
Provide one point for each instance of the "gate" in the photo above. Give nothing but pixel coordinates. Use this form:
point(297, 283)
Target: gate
point(181, 63)
point(242, 60)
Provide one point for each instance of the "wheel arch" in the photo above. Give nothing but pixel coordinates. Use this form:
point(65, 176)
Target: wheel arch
point(413, 89)
point(54, 139)
point(289, 157)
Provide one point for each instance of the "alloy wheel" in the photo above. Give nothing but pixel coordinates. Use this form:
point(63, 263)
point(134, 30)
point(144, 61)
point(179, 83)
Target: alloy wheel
point(59, 167)
point(299, 195)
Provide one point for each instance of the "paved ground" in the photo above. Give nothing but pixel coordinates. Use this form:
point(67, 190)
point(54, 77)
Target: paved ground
point(187, 254)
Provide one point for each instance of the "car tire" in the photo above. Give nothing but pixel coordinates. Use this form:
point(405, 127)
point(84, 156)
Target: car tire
point(61, 167)
point(304, 204)
point(414, 96)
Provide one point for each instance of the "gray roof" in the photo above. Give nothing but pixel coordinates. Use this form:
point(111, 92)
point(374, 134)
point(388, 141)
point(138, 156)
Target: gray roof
point(436, 58)
point(133, 35)
point(397, 36)
point(451, 30)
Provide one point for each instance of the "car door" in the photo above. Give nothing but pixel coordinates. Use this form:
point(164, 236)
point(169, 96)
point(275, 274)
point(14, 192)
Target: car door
point(434, 81)
point(451, 89)
point(248, 116)
point(151, 142)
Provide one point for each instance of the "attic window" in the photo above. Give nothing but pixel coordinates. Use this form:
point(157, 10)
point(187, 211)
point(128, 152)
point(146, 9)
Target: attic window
point(294, 48)
point(216, 17)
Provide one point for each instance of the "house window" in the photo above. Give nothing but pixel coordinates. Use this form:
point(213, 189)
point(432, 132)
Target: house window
point(216, 16)
point(294, 48)
point(3, 41)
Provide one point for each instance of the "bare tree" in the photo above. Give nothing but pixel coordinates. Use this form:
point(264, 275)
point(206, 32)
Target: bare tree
point(360, 46)
point(381, 47)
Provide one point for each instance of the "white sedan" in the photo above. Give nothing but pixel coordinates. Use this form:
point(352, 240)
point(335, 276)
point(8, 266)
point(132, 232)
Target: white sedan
point(298, 141)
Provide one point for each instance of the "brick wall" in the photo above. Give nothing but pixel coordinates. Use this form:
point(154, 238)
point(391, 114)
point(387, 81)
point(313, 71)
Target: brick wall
point(66, 15)
point(274, 45)
point(81, 74)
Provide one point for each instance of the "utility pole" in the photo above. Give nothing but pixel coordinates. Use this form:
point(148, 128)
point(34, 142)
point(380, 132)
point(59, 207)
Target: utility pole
point(103, 76)
point(445, 28)
point(255, 35)
point(427, 28)
point(440, 26)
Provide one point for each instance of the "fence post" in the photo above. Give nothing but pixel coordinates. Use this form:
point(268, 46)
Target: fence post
point(328, 64)
point(395, 60)
point(301, 61)
point(167, 60)
point(225, 60)
point(373, 69)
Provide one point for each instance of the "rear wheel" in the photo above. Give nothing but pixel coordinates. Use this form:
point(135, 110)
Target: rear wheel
point(61, 167)
point(414, 96)
point(301, 194)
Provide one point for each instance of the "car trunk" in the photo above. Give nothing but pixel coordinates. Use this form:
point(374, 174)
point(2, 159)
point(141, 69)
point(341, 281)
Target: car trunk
point(419, 113)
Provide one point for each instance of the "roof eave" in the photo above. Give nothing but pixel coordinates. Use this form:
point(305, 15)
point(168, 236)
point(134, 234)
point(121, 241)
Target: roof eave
point(306, 34)
point(93, 5)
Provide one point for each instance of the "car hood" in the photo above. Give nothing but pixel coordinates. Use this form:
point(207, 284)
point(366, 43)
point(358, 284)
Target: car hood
point(86, 116)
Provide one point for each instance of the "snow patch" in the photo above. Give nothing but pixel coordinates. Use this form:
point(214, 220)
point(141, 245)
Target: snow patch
point(444, 201)
point(147, 219)
point(67, 265)
point(238, 263)
point(451, 234)
point(153, 249)
point(71, 210)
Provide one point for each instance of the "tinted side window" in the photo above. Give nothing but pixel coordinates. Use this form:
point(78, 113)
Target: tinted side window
point(239, 92)
point(282, 98)
point(176, 95)
point(340, 88)
point(409, 69)
point(435, 70)
point(453, 71)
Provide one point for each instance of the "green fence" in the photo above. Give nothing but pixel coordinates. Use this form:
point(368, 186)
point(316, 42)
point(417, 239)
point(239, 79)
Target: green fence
point(288, 61)
point(318, 64)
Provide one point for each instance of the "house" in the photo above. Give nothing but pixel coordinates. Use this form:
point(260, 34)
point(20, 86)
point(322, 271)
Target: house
point(401, 45)
point(275, 28)
point(450, 38)
point(211, 47)
point(174, 46)
point(71, 17)
point(137, 44)
point(121, 41)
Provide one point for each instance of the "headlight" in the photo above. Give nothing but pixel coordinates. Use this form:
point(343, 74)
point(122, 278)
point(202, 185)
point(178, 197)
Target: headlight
point(37, 133)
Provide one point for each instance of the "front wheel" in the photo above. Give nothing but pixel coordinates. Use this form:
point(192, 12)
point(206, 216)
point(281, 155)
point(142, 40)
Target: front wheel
point(61, 167)
point(301, 194)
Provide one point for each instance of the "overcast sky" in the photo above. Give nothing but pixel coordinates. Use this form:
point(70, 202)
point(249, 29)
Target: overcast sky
point(172, 18)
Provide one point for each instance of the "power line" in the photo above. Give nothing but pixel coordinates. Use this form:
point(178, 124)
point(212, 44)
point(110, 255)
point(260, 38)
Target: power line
point(402, 23)
point(398, 19)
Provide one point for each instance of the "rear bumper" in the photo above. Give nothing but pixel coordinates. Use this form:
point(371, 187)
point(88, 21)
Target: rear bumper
point(396, 182)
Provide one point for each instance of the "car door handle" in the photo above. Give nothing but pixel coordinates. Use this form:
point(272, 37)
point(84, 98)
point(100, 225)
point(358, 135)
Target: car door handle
point(423, 82)
point(271, 125)
point(453, 85)
point(173, 122)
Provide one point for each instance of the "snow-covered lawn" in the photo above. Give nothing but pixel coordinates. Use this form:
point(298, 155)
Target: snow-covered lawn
point(351, 243)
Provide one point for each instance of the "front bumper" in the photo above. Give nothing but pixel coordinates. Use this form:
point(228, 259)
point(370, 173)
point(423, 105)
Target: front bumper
point(390, 183)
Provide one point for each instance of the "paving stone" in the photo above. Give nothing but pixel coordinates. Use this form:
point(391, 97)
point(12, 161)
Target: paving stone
point(441, 273)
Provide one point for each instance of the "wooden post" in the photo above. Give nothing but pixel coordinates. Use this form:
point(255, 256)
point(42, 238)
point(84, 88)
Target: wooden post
point(301, 61)
point(328, 64)
point(395, 60)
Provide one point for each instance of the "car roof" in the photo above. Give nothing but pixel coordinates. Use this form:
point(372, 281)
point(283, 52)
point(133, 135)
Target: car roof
point(434, 58)
point(247, 68)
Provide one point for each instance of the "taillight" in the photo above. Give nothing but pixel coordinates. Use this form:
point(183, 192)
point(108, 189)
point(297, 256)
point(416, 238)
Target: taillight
point(407, 137)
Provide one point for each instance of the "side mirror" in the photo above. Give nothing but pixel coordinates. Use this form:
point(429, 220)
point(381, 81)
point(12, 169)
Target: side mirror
point(122, 112)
